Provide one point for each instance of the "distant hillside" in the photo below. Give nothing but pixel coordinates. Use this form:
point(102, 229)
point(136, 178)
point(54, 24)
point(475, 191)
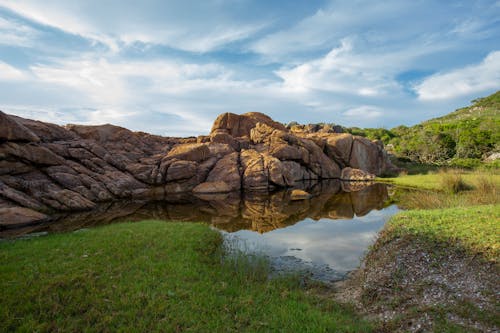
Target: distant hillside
point(463, 136)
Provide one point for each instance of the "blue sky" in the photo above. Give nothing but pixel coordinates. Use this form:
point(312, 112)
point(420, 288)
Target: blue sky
point(170, 67)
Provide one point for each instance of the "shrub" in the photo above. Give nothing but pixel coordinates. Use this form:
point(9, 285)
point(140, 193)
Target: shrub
point(466, 163)
point(494, 165)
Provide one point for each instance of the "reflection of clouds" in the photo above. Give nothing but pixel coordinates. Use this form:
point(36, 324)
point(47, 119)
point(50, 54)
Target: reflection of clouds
point(340, 244)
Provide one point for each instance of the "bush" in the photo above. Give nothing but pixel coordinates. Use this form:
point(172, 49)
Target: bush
point(494, 165)
point(465, 163)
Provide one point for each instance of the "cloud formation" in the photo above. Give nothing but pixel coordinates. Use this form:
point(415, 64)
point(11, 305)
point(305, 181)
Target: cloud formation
point(153, 66)
point(10, 73)
point(463, 81)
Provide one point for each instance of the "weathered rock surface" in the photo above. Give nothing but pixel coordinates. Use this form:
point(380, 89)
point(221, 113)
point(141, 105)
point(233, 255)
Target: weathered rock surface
point(212, 187)
point(241, 125)
point(11, 130)
point(355, 174)
point(19, 216)
point(50, 168)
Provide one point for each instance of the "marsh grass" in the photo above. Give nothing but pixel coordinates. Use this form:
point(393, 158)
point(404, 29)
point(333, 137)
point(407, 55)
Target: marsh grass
point(452, 182)
point(447, 188)
point(245, 262)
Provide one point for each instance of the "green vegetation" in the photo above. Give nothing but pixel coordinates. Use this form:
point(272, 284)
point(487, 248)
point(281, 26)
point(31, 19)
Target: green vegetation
point(447, 188)
point(435, 180)
point(151, 276)
point(441, 239)
point(446, 247)
point(475, 229)
point(459, 139)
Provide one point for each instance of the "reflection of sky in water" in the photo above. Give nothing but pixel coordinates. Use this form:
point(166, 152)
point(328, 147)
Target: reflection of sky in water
point(340, 244)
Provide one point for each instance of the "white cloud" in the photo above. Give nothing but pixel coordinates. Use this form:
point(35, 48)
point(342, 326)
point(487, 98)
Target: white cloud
point(204, 29)
point(342, 71)
point(15, 33)
point(61, 15)
point(163, 96)
point(119, 82)
point(363, 112)
point(472, 79)
point(9, 73)
point(351, 63)
point(195, 41)
point(374, 21)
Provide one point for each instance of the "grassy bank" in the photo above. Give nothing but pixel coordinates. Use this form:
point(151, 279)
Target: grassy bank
point(436, 180)
point(433, 271)
point(435, 266)
point(446, 189)
point(151, 276)
point(475, 230)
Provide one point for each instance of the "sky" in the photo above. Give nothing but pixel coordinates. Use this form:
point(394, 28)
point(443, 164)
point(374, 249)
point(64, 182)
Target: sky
point(169, 67)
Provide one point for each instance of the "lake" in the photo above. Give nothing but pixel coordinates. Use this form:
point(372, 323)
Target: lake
point(325, 236)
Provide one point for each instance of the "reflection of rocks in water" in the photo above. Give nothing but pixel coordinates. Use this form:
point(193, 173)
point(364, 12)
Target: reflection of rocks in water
point(230, 212)
point(369, 198)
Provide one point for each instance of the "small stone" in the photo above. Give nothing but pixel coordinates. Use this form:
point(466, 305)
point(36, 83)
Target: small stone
point(300, 195)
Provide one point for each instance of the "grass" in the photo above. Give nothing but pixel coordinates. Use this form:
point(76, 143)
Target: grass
point(475, 229)
point(151, 277)
point(465, 232)
point(453, 214)
point(434, 180)
point(447, 188)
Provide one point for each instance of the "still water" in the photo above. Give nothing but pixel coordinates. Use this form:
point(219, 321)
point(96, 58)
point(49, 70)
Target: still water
point(325, 236)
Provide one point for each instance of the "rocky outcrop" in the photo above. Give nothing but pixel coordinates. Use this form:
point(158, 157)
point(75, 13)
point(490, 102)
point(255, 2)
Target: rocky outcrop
point(11, 130)
point(48, 168)
point(240, 125)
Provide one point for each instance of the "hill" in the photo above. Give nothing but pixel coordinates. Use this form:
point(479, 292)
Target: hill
point(462, 137)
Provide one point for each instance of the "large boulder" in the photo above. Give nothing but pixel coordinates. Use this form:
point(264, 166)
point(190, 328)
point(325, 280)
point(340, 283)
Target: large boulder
point(11, 130)
point(339, 147)
point(366, 155)
point(263, 172)
point(240, 125)
point(18, 216)
point(190, 152)
point(227, 169)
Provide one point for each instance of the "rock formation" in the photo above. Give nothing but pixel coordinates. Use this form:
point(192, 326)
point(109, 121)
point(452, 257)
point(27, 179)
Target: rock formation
point(45, 168)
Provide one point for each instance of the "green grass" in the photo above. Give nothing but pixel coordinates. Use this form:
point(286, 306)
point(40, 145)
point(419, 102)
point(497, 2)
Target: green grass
point(446, 189)
point(434, 180)
point(151, 276)
point(475, 229)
